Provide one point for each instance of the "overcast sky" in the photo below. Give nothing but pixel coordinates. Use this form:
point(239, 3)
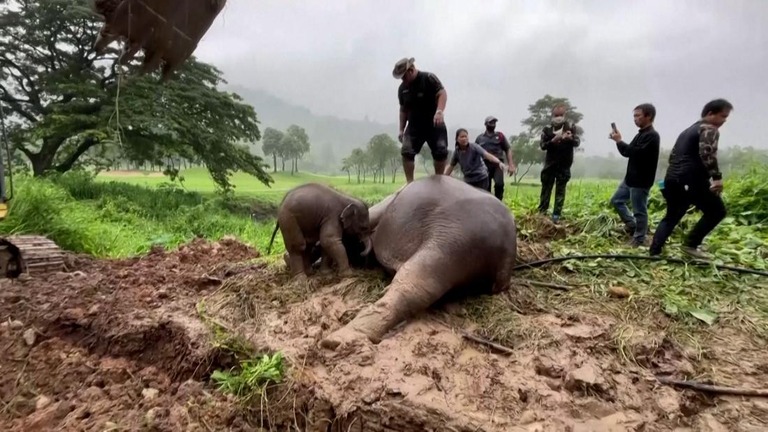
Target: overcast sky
point(497, 56)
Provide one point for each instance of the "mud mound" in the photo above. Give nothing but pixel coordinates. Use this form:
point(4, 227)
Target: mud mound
point(536, 228)
point(129, 345)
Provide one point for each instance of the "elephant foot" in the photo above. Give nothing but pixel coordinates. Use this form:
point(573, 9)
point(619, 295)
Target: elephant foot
point(344, 338)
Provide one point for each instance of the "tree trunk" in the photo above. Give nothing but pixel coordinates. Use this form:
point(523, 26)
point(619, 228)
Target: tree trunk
point(274, 162)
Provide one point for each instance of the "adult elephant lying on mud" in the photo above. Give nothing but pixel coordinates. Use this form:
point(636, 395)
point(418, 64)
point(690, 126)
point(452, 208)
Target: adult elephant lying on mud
point(315, 213)
point(436, 234)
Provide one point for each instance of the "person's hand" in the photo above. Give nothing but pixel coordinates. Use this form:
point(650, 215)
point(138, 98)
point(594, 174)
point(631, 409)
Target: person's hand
point(438, 119)
point(502, 166)
point(616, 136)
point(400, 136)
point(716, 186)
point(568, 135)
point(511, 169)
point(557, 138)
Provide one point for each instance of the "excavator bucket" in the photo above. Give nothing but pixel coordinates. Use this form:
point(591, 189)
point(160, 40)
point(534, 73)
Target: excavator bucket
point(167, 31)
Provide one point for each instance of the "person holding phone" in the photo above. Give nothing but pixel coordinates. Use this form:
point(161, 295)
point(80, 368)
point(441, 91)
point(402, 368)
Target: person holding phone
point(694, 178)
point(643, 159)
point(559, 139)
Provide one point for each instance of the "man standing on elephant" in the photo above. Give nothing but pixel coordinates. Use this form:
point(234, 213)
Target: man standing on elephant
point(559, 140)
point(496, 144)
point(422, 100)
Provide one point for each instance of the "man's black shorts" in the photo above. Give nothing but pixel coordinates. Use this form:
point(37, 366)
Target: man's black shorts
point(436, 138)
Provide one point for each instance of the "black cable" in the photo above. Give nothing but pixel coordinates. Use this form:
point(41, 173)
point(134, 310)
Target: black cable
point(638, 257)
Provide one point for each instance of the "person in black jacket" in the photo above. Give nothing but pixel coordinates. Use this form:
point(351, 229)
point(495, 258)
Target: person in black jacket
point(559, 140)
point(693, 178)
point(643, 155)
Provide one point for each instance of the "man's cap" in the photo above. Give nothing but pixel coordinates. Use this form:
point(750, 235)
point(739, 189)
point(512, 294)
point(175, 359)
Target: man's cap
point(490, 119)
point(402, 66)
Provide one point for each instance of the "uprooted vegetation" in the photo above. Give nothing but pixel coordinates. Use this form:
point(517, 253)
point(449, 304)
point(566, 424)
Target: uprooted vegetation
point(213, 336)
point(210, 337)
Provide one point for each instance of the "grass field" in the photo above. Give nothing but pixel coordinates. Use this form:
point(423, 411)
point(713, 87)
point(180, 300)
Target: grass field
point(123, 215)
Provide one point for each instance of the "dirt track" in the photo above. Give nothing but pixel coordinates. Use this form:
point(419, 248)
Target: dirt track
point(121, 345)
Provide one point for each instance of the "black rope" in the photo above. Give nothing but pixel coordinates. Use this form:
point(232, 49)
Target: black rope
point(639, 257)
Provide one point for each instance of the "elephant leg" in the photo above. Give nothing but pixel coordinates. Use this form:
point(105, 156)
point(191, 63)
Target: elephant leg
point(295, 244)
point(418, 284)
point(326, 263)
point(332, 246)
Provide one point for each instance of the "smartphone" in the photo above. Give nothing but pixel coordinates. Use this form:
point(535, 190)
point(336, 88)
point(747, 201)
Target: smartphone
point(613, 126)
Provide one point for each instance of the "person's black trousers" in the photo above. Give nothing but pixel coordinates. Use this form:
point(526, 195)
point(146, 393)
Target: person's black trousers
point(678, 201)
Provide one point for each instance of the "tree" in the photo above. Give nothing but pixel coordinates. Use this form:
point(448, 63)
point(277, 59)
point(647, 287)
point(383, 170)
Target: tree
point(381, 149)
point(299, 145)
point(64, 102)
point(526, 151)
point(358, 158)
point(346, 166)
point(271, 145)
point(426, 157)
point(540, 114)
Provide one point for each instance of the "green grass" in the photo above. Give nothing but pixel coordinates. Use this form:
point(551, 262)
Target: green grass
point(120, 216)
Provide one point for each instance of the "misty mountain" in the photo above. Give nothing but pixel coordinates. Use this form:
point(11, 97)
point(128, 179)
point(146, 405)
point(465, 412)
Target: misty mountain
point(331, 138)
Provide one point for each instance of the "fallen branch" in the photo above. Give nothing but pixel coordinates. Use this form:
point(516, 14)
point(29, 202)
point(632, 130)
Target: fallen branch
point(713, 388)
point(486, 342)
point(543, 284)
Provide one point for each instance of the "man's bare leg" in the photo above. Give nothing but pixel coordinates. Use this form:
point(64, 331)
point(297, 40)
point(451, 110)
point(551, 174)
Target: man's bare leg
point(439, 167)
point(409, 166)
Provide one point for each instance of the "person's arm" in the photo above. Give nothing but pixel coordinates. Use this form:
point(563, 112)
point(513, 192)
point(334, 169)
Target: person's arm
point(403, 116)
point(546, 139)
point(440, 93)
point(573, 139)
point(507, 147)
point(487, 156)
point(454, 161)
point(645, 141)
point(708, 141)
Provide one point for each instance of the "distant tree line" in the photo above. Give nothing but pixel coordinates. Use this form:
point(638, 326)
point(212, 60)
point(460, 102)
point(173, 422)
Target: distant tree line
point(289, 145)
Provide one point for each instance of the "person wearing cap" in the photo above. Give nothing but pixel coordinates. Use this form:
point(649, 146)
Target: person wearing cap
point(422, 100)
point(496, 144)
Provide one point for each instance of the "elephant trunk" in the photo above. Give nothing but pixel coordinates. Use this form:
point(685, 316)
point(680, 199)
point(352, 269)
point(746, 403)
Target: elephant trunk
point(368, 246)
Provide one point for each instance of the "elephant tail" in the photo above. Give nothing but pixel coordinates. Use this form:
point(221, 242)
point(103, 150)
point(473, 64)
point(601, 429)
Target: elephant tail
point(277, 226)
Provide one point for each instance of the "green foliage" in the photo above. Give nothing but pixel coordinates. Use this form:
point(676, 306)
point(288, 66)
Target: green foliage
point(119, 220)
point(68, 110)
point(253, 377)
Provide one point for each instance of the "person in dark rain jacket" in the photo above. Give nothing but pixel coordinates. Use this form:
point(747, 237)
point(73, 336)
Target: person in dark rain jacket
point(559, 140)
point(694, 178)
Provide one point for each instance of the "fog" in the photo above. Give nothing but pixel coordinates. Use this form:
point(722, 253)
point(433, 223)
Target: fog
point(498, 56)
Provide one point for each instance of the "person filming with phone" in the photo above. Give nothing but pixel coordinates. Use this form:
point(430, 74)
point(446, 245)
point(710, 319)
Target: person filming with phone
point(643, 159)
point(694, 178)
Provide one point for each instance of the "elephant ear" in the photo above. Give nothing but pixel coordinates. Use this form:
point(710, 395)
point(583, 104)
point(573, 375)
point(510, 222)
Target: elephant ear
point(348, 215)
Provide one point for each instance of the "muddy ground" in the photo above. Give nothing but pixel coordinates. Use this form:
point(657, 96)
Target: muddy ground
point(129, 345)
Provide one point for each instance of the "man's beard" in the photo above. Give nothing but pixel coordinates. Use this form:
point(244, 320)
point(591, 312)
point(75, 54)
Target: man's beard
point(490, 129)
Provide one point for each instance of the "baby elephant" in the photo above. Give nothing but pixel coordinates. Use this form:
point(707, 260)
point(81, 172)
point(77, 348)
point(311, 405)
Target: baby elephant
point(313, 213)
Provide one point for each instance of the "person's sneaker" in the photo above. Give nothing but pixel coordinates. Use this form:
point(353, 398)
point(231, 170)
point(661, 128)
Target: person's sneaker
point(696, 253)
point(555, 218)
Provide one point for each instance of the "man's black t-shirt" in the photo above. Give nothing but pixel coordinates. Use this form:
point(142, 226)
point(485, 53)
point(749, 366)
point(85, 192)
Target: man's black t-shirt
point(419, 97)
point(495, 143)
